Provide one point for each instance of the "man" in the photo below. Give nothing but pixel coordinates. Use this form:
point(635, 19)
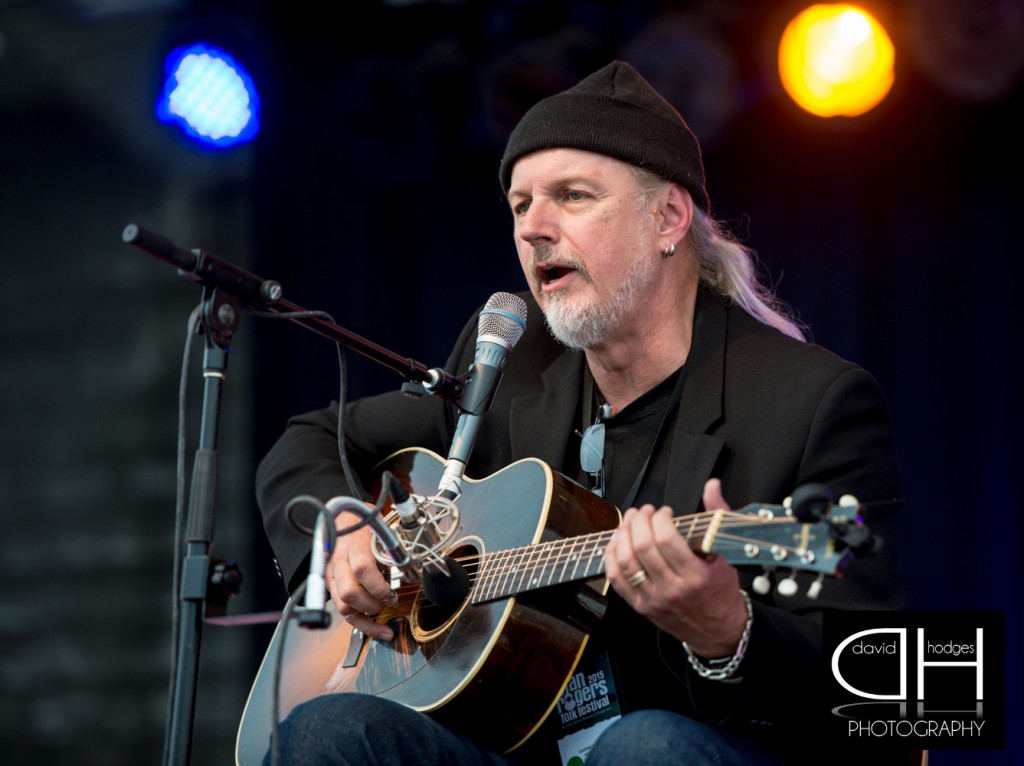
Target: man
point(701, 383)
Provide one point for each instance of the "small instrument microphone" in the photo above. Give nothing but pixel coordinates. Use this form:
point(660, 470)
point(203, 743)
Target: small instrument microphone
point(314, 614)
point(445, 581)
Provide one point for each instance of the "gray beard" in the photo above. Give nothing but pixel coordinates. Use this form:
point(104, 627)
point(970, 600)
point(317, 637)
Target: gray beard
point(583, 324)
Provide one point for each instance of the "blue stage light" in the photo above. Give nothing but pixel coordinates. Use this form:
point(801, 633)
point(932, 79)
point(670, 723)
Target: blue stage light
point(209, 96)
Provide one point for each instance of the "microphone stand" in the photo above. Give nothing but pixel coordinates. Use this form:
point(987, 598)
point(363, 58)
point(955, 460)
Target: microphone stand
point(227, 291)
point(220, 319)
point(265, 295)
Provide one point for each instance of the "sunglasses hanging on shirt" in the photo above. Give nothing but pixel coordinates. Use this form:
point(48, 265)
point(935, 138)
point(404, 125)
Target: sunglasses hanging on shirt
point(592, 451)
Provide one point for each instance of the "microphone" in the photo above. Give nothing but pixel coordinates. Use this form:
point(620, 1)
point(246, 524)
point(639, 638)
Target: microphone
point(444, 582)
point(314, 614)
point(501, 325)
point(415, 526)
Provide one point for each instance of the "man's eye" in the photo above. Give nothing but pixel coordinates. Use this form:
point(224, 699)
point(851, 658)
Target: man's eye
point(520, 208)
point(575, 196)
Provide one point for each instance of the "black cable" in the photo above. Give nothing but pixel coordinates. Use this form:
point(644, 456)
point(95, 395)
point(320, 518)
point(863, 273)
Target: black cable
point(356, 487)
point(354, 484)
point(179, 511)
point(296, 525)
point(275, 705)
point(291, 315)
point(179, 519)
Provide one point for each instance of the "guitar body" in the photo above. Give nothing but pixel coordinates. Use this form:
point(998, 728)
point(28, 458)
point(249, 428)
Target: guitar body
point(493, 669)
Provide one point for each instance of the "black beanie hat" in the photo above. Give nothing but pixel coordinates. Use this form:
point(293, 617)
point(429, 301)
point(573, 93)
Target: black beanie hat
point(614, 112)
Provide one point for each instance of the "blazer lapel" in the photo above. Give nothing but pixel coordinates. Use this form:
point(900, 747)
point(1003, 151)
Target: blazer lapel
point(694, 452)
point(542, 424)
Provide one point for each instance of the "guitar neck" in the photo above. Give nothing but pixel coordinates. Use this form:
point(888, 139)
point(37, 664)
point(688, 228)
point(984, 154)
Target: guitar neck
point(501, 574)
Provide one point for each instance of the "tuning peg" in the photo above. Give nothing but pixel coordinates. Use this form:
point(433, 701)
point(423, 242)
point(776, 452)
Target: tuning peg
point(787, 587)
point(811, 502)
point(762, 584)
point(814, 589)
point(849, 501)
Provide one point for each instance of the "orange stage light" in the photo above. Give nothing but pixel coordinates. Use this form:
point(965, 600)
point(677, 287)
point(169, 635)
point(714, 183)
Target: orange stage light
point(836, 60)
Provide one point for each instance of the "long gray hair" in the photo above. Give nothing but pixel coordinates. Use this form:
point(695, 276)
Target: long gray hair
point(724, 265)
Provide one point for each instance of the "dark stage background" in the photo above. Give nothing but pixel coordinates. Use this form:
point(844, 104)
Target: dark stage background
point(372, 193)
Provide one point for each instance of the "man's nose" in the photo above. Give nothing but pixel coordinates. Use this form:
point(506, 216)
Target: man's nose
point(539, 224)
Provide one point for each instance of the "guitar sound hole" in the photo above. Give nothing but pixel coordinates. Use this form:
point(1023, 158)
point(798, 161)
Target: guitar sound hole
point(453, 593)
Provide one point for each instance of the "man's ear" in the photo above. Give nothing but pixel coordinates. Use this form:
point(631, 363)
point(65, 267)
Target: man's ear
point(676, 213)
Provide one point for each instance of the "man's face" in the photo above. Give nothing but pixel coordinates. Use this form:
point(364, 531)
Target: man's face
point(589, 251)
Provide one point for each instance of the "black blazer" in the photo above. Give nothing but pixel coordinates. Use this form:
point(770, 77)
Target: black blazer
point(761, 411)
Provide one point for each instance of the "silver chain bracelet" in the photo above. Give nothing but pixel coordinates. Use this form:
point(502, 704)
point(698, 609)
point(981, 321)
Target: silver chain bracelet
point(724, 667)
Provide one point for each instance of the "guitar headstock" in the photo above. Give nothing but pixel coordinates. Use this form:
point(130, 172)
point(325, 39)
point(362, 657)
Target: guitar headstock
point(807, 533)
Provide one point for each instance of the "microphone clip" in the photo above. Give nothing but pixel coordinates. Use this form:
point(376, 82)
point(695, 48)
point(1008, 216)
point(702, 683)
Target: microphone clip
point(423, 528)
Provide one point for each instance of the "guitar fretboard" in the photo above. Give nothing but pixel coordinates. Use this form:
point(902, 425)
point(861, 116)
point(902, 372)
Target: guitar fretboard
point(517, 570)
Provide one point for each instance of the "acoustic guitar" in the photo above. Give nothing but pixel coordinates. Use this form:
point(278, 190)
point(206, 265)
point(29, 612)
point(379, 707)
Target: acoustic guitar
point(532, 542)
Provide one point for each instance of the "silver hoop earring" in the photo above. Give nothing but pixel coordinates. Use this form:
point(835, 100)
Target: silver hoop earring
point(669, 251)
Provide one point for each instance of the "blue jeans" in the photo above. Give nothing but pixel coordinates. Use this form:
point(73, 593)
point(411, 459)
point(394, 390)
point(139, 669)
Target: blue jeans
point(660, 737)
point(359, 730)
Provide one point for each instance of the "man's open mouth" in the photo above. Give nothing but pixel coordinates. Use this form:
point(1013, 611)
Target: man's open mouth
point(549, 274)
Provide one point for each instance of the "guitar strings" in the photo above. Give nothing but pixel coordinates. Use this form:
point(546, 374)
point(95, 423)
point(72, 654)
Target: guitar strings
point(565, 558)
point(574, 545)
point(580, 562)
point(569, 548)
point(531, 558)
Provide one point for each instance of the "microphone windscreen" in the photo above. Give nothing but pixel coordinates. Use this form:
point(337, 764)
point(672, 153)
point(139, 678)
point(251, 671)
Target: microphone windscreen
point(502, 320)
